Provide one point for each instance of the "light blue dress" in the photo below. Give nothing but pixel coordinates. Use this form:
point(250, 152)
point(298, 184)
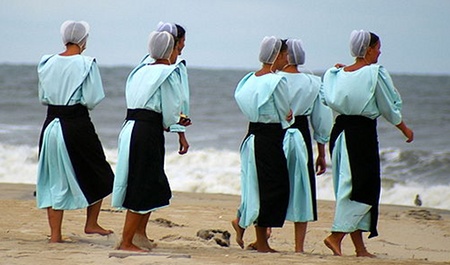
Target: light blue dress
point(304, 101)
point(262, 99)
point(150, 87)
point(181, 65)
point(63, 81)
point(367, 92)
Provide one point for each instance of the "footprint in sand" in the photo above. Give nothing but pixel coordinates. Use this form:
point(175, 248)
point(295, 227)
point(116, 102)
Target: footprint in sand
point(423, 215)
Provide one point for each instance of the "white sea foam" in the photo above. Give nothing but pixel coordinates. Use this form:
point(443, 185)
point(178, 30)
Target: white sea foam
point(18, 164)
point(216, 171)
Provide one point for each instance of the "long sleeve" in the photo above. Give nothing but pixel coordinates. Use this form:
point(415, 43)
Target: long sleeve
point(281, 98)
point(171, 100)
point(388, 99)
point(321, 121)
point(184, 94)
point(92, 88)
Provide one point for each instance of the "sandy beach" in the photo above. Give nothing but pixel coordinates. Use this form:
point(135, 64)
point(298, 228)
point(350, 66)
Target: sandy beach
point(408, 235)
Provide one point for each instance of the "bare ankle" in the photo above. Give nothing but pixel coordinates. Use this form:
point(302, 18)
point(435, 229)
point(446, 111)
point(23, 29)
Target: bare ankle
point(334, 244)
point(364, 253)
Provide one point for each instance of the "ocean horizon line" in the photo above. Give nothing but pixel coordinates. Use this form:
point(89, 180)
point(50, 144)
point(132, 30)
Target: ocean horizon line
point(232, 68)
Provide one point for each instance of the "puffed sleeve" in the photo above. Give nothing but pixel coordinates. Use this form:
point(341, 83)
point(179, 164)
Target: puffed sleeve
point(325, 81)
point(184, 88)
point(92, 88)
point(388, 99)
point(281, 98)
point(171, 100)
point(181, 68)
point(321, 121)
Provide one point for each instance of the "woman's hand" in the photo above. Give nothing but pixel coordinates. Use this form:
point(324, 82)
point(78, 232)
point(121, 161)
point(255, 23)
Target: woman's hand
point(184, 145)
point(321, 165)
point(185, 120)
point(289, 116)
point(407, 132)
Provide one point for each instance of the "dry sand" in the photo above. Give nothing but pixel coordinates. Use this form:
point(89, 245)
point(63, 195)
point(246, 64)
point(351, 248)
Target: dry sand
point(408, 235)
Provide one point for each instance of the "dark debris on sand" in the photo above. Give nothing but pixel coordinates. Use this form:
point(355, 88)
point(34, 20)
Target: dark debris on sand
point(221, 237)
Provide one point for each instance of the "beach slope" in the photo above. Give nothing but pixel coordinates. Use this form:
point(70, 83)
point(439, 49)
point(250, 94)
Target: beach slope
point(408, 235)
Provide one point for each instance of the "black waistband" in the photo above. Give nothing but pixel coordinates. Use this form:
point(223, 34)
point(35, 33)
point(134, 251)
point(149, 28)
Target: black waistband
point(355, 120)
point(72, 111)
point(265, 128)
point(144, 115)
point(301, 121)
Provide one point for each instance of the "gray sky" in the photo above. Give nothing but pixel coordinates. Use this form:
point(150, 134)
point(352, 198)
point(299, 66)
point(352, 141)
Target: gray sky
point(226, 34)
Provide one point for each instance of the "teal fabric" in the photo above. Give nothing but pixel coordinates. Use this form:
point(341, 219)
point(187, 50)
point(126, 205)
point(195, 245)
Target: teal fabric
point(261, 99)
point(185, 94)
point(264, 99)
point(152, 87)
point(157, 88)
point(304, 100)
point(300, 207)
point(69, 80)
point(63, 80)
point(57, 186)
point(121, 178)
point(373, 94)
point(349, 215)
point(249, 207)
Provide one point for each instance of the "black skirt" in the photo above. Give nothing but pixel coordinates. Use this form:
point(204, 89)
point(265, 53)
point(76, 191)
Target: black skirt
point(363, 152)
point(302, 124)
point(148, 187)
point(273, 177)
point(93, 173)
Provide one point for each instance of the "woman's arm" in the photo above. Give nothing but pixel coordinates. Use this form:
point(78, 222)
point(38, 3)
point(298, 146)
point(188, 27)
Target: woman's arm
point(406, 131)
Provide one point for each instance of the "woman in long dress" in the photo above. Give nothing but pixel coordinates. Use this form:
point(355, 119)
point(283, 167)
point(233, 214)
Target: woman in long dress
point(262, 96)
point(307, 109)
point(179, 33)
point(154, 103)
point(359, 93)
point(73, 172)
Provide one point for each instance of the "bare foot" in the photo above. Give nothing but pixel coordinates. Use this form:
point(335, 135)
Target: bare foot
point(143, 242)
point(266, 250)
point(365, 253)
point(97, 230)
point(334, 246)
point(131, 247)
point(251, 246)
point(58, 239)
point(239, 232)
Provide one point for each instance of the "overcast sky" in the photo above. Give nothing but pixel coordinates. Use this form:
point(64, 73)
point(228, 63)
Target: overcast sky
point(415, 34)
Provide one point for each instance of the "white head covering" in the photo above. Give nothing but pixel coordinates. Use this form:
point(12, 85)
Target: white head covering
point(169, 27)
point(296, 54)
point(75, 32)
point(359, 42)
point(160, 45)
point(270, 48)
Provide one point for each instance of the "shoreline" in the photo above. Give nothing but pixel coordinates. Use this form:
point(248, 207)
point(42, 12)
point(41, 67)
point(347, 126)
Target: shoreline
point(408, 235)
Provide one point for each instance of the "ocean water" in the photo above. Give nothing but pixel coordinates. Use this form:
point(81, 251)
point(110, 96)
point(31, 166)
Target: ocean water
point(212, 164)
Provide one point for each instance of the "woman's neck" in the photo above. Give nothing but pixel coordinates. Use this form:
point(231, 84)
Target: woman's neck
point(359, 63)
point(291, 69)
point(71, 49)
point(265, 69)
point(162, 61)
